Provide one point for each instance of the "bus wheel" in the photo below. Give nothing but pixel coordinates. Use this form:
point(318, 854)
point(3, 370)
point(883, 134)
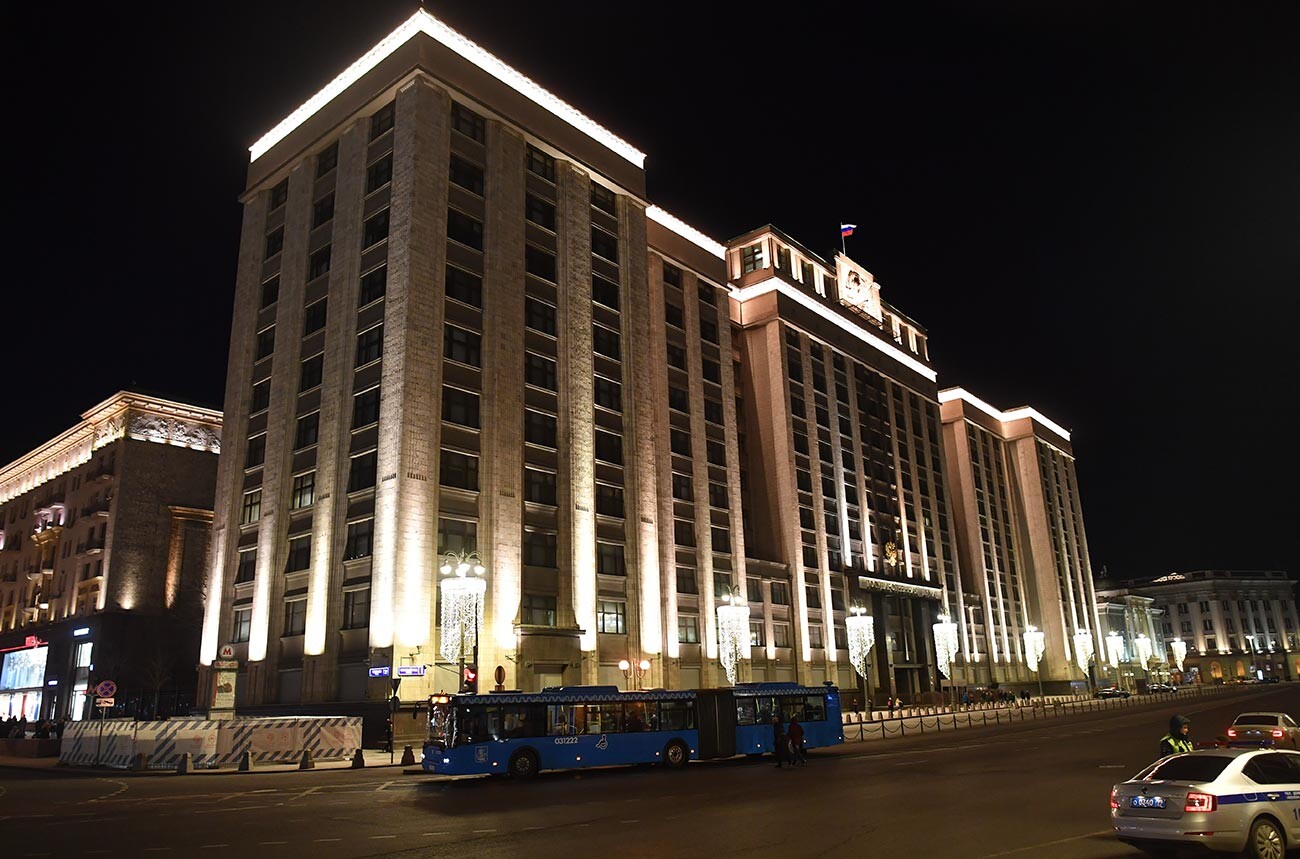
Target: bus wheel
point(524, 764)
point(675, 755)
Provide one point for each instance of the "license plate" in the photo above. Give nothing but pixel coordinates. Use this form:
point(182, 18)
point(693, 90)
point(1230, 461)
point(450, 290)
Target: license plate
point(1147, 802)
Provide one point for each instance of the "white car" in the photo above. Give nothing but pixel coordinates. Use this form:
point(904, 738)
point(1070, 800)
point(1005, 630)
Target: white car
point(1230, 800)
point(1261, 730)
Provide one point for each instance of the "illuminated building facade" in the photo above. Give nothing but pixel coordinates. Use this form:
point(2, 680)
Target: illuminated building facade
point(104, 538)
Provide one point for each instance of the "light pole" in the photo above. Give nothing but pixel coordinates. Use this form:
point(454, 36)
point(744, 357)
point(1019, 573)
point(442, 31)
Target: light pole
point(860, 628)
point(1114, 649)
point(945, 645)
point(1143, 646)
point(462, 609)
point(733, 631)
point(1035, 645)
point(634, 673)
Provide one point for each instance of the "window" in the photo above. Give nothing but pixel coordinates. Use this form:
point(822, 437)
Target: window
point(464, 229)
point(265, 343)
point(256, 451)
point(609, 500)
point(754, 590)
point(304, 491)
point(459, 470)
point(605, 341)
point(673, 315)
point(672, 275)
point(604, 291)
point(751, 259)
point(679, 399)
point(781, 634)
point(813, 596)
point(327, 160)
point(539, 549)
point(609, 447)
point(708, 293)
point(538, 610)
point(271, 291)
point(683, 487)
point(684, 532)
point(539, 428)
point(279, 194)
point(373, 286)
point(381, 122)
point(539, 486)
point(313, 317)
point(322, 211)
point(247, 568)
point(608, 394)
point(712, 370)
point(688, 628)
point(361, 540)
point(718, 496)
point(361, 472)
point(539, 316)
point(680, 442)
point(716, 453)
point(464, 287)
point(539, 212)
point(365, 408)
point(310, 374)
point(604, 199)
point(460, 407)
point(379, 173)
point(709, 330)
point(539, 263)
point(610, 559)
point(307, 431)
point(611, 617)
point(467, 175)
point(375, 229)
point(713, 411)
point(756, 637)
point(780, 593)
point(274, 242)
point(261, 396)
point(319, 263)
point(356, 608)
point(686, 581)
point(468, 123)
point(242, 625)
point(299, 554)
point(457, 535)
point(539, 371)
point(459, 344)
point(676, 357)
point(370, 345)
point(541, 164)
point(604, 244)
point(251, 509)
point(295, 617)
point(815, 636)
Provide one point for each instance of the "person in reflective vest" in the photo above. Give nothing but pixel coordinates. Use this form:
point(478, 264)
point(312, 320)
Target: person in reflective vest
point(1179, 738)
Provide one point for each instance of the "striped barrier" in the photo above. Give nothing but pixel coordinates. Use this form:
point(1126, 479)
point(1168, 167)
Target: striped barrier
point(83, 743)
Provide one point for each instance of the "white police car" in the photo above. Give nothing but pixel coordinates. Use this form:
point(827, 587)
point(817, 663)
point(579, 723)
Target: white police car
point(1232, 800)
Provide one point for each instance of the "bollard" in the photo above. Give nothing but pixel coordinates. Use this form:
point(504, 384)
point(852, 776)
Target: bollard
point(408, 757)
point(306, 763)
point(246, 762)
point(183, 765)
point(358, 760)
point(140, 762)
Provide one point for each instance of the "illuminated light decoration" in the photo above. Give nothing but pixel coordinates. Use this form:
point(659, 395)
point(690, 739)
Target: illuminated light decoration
point(423, 22)
point(462, 606)
point(861, 629)
point(686, 231)
point(776, 284)
point(1114, 648)
point(733, 633)
point(1035, 646)
point(1083, 649)
point(1143, 646)
point(949, 394)
point(945, 644)
point(1179, 649)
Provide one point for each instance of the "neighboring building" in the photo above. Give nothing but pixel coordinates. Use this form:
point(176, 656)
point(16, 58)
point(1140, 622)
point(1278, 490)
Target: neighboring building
point(460, 326)
point(104, 538)
point(1021, 544)
point(1127, 618)
point(1236, 624)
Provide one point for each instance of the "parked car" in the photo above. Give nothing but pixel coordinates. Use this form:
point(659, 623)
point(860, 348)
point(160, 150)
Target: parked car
point(1111, 692)
point(1264, 730)
point(1154, 688)
point(1233, 800)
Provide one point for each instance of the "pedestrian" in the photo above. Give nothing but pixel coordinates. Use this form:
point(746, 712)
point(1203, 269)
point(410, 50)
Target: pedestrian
point(779, 743)
point(1179, 738)
point(59, 726)
point(890, 701)
point(795, 732)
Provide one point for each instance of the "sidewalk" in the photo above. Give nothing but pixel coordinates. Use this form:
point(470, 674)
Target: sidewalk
point(373, 758)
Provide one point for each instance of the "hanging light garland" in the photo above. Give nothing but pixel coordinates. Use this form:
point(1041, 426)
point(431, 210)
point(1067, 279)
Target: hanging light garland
point(945, 644)
point(733, 632)
point(1083, 649)
point(462, 604)
point(1114, 648)
point(1035, 645)
point(1143, 645)
point(861, 629)
point(1179, 648)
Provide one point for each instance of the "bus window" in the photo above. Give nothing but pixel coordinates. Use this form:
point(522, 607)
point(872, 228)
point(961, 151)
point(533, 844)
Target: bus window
point(471, 726)
point(791, 708)
point(522, 720)
point(558, 722)
point(634, 719)
point(814, 708)
point(745, 711)
point(604, 718)
point(765, 710)
point(676, 715)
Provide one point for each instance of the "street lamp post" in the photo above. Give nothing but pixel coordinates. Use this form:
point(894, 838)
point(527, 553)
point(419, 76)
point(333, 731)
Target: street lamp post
point(1114, 649)
point(1035, 645)
point(945, 645)
point(462, 608)
point(1143, 646)
point(860, 628)
point(634, 673)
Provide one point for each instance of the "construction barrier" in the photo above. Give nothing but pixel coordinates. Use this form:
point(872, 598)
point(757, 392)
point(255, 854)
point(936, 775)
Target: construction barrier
point(210, 743)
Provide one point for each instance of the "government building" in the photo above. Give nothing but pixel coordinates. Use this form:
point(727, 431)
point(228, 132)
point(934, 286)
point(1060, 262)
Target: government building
point(653, 458)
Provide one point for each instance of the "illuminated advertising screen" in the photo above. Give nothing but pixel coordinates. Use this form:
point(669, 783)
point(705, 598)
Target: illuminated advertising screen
point(24, 669)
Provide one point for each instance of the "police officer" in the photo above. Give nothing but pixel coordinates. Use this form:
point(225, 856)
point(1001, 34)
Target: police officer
point(1179, 738)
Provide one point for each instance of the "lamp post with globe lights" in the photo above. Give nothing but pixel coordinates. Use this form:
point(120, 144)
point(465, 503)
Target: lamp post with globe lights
point(463, 586)
point(1035, 646)
point(634, 673)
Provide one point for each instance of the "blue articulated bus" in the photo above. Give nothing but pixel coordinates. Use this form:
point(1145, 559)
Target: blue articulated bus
point(571, 727)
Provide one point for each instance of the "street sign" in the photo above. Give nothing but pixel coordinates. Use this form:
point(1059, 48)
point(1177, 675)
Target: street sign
point(227, 651)
point(104, 703)
point(410, 671)
point(106, 689)
point(381, 671)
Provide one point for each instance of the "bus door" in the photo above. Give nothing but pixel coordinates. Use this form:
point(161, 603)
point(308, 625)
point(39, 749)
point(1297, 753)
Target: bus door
point(716, 710)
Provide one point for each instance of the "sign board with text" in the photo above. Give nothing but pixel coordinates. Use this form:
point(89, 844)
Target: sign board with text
point(410, 671)
point(105, 703)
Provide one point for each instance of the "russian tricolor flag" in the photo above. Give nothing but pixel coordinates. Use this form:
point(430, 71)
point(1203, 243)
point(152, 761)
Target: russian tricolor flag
point(846, 230)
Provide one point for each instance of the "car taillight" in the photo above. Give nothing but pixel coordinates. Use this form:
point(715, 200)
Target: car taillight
point(1277, 732)
point(1201, 802)
point(1232, 732)
point(1114, 798)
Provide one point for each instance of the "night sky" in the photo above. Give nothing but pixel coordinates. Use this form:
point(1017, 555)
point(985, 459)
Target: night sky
point(1093, 207)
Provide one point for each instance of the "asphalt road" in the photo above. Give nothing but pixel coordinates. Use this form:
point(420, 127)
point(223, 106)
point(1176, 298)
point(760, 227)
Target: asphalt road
point(1032, 790)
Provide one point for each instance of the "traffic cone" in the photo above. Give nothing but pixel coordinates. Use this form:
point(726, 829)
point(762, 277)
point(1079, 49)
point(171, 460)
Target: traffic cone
point(246, 762)
point(307, 763)
point(408, 757)
point(359, 760)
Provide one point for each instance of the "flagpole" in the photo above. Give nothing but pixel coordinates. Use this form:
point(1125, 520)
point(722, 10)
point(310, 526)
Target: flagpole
point(843, 249)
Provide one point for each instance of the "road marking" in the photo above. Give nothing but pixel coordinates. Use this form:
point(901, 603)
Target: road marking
point(323, 840)
point(306, 792)
point(265, 843)
point(382, 786)
point(1111, 767)
point(211, 846)
point(481, 831)
point(373, 837)
point(531, 828)
point(155, 849)
point(1047, 844)
point(431, 834)
point(629, 821)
